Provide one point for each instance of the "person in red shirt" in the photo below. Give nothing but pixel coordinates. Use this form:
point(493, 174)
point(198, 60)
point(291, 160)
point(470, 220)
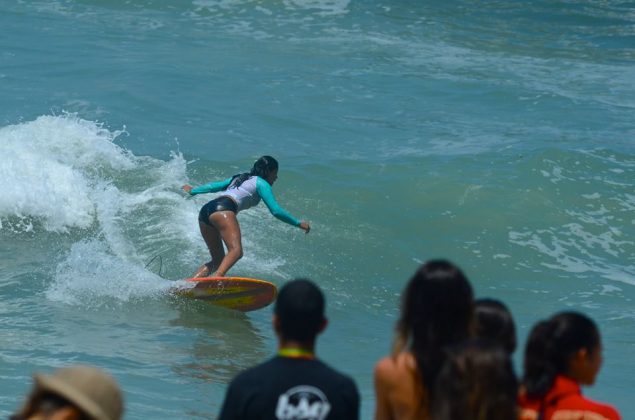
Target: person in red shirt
point(561, 354)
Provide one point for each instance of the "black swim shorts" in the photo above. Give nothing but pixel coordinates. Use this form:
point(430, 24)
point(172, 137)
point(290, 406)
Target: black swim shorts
point(217, 204)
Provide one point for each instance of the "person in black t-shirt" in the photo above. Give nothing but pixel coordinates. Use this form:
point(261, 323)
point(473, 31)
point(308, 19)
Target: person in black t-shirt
point(293, 385)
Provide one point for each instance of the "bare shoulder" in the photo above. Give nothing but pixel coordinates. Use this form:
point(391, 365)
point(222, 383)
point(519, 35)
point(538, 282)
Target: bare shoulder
point(395, 367)
point(400, 393)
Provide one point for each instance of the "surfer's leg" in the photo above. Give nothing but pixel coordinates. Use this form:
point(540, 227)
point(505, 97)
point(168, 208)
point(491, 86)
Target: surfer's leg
point(227, 225)
point(214, 245)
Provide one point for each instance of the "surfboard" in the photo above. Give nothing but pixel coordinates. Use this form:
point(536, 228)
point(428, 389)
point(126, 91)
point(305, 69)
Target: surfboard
point(239, 293)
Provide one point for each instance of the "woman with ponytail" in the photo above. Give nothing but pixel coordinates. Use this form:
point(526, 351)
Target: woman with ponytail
point(217, 219)
point(436, 313)
point(561, 354)
point(477, 382)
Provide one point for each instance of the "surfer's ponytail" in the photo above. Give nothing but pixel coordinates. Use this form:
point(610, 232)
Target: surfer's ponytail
point(262, 167)
point(550, 346)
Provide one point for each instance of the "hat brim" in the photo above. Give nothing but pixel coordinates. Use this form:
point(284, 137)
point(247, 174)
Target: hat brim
point(72, 394)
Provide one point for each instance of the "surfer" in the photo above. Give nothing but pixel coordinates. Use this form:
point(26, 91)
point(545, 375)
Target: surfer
point(217, 219)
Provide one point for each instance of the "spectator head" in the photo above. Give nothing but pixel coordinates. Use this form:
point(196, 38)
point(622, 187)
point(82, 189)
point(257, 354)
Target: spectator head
point(75, 392)
point(436, 311)
point(299, 311)
point(493, 321)
point(476, 382)
point(568, 343)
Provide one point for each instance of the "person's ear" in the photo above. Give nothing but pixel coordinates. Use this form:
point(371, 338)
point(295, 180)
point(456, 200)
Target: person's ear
point(578, 357)
point(583, 354)
point(323, 325)
point(577, 362)
point(275, 323)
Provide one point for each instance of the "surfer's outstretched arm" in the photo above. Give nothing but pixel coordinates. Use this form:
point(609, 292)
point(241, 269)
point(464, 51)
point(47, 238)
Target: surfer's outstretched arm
point(212, 187)
point(266, 193)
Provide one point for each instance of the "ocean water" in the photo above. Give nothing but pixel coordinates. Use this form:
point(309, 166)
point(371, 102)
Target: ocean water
point(497, 134)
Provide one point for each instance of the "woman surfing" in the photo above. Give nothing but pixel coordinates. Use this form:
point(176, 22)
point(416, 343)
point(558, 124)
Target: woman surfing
point(217, 219)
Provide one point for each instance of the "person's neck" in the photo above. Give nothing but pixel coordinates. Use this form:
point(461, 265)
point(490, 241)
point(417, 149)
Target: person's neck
point(296, 349)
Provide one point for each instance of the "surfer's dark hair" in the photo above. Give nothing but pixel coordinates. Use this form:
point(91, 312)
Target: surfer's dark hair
point(476, 382)
point(549, 348)
point(262, 167)
point(493, 321)
point(436, 313)
point(300, 310)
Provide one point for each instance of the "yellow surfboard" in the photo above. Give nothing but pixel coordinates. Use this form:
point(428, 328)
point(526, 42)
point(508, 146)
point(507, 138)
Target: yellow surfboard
point(239, 293)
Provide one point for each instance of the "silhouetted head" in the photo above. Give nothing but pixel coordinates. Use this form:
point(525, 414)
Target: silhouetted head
point(436, 312)
point(299, 310)
point(476, 382)
point(569, 344)
point(493, 321)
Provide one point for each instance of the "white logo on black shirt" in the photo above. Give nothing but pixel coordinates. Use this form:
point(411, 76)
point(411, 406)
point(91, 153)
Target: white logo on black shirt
point(302, 403)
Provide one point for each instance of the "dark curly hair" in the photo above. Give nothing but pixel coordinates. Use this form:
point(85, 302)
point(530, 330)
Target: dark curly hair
point(262, 167)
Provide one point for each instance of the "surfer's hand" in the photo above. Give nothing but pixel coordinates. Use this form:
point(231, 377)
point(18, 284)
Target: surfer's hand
point(187, 188)
point(305, 227)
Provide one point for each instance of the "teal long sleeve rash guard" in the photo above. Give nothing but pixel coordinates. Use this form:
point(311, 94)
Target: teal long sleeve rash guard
point(248, 194)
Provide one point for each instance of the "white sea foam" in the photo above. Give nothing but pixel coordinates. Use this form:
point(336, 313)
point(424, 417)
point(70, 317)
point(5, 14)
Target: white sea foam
point(49, 167)
point(323, 7)
point(217, 4)
point(607, 84)
point(589, 235)
point(577, 81)
point(67, 176)
point(92, 275)
point(575, 250)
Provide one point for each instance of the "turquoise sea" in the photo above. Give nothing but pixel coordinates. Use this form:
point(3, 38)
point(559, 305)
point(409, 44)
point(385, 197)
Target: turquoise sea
point(497, 134)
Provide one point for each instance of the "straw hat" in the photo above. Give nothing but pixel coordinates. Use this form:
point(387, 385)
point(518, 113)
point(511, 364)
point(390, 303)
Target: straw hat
point(90, 389)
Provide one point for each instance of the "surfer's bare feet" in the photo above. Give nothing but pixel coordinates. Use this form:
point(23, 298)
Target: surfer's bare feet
point(205, 270)
point(211, 269)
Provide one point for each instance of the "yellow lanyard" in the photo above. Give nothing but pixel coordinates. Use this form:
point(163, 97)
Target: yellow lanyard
point(296, 353)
